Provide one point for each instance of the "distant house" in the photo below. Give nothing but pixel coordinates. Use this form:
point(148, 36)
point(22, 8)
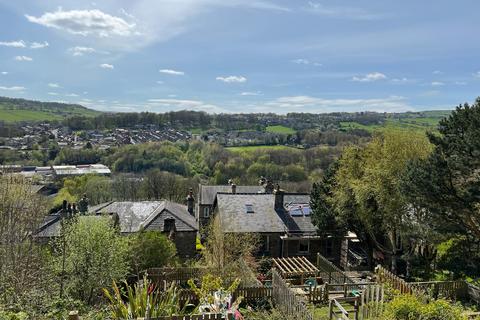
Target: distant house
point(283, 221)
point(78, 170)
point(168, 217)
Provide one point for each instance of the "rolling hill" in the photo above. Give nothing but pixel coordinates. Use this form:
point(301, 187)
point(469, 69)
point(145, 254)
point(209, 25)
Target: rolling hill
point(15, 110)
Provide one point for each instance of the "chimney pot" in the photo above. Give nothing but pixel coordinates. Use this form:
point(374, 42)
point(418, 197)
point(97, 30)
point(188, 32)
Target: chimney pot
point(234, 188)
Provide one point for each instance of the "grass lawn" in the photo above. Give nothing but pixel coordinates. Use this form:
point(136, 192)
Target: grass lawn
point(280, 129)
point(254, 148)
point(27, 115)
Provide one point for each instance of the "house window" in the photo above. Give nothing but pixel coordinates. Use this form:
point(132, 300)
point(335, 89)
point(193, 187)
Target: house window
point(206, 212)
point(249, 208)
point(169, 225)
point(303, 246)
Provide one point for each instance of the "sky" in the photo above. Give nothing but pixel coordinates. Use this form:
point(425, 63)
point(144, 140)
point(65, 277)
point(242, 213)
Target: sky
point(239, 56)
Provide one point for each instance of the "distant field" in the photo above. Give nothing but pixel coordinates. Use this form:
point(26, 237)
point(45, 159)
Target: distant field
point(280, 129)
point(27, 115)
point(14, 110)
point(254, 148)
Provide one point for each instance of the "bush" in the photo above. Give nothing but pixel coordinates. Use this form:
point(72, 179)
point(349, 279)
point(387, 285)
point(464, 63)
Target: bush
point(93, 254)
point(409, 307)
point(151, 249)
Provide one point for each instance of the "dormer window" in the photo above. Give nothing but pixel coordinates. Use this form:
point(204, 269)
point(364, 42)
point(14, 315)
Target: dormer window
point(249, 208)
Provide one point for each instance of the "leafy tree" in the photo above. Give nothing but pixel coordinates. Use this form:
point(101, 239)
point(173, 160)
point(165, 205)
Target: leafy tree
point(323, 214)
point(368, 192)
point(21, 263)
point(92, 253)
point(151, 249)
point(447, 184)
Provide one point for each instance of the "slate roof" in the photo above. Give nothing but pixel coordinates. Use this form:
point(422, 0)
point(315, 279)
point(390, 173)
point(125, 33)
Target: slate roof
point(208, 193)
point(264, 219)
point(233, 217)
point(140, 214)
point(133, 216)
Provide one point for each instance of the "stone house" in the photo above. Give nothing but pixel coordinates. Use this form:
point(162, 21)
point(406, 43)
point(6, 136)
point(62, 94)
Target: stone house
point(283, 220)
point(168, 217)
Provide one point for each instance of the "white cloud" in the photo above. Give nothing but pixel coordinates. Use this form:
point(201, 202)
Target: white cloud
point(460, 83)
point(477, 74)
point(39, 45)
point(437, 83)
point(13, 44)
point(172, 72)
point(315, 104)
point(53, 93)
point(23, 58)
point(232, 79)
point(4, 73)
point(160, 82)
point(106, 66)
point(71, 95)
point(54, 85)
point(14, 88)
point(250, 93)
point(85, 22)
point(437, 72)
point(370, 77)
point(80, 51)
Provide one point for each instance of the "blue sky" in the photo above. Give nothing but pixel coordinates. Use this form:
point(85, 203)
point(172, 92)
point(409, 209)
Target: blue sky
point(242, 56)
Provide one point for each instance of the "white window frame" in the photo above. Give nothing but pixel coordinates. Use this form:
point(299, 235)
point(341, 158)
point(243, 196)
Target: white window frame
point(206, 212)
point(308, 246)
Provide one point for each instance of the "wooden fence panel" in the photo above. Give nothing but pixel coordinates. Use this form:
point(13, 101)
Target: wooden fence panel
point(331, 273)
point(286, 300)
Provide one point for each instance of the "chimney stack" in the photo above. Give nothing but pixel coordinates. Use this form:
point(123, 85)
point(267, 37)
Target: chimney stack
point(278, 198)
point(234, 188)
point(190, 202)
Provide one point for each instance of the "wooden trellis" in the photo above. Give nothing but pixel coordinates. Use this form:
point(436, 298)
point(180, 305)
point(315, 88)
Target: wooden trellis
point(295, 266)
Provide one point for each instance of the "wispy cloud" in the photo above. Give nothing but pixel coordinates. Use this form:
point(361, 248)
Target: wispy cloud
point(39, 45)
point(477, 74)
point(232, 79)
point(13, 44)
point(370, 77)
point(437, 84)
point(316, 104)
point(53, 93)
point(402, 80)
point(352, 13)
point(4, 73)
point(106, 66)
point(71, 95)
point(80, 51)
point(23, 58)
point(172, 72)
point(180, 104)
point(85, 22)
point(306, 62)
point(14, 88)
point(437, 72)
point(251, 93)
point(54, 85)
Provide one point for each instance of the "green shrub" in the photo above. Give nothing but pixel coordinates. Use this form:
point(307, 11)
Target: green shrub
point(409, 307)
point(151, 249)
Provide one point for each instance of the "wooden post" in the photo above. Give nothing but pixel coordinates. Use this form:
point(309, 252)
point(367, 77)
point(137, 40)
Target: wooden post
point(73, 315)
point(330, 312)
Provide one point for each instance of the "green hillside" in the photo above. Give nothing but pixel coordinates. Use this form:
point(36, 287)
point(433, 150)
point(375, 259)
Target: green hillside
point(14, 110)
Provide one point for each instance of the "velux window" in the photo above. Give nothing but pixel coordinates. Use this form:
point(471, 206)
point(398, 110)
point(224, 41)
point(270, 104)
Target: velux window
point(249, 208)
